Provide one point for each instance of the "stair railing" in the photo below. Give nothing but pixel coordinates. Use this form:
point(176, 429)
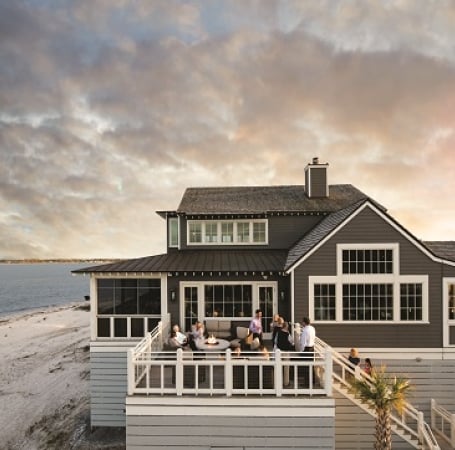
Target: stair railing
point(411, 420)
point(443, 422)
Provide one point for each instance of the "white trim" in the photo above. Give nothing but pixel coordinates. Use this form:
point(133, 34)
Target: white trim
point(255, 285)
point(369, 246)
point(446, 323)
point(229, 407)
point(385, 217)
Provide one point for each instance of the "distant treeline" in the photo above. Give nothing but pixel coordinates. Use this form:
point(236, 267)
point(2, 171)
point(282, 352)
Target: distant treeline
point(57, 260)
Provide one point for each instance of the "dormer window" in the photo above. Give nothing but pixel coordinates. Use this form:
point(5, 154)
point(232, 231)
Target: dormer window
point(241, 232)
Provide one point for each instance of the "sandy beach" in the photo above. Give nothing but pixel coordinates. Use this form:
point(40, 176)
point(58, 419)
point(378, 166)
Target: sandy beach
point(44, 387)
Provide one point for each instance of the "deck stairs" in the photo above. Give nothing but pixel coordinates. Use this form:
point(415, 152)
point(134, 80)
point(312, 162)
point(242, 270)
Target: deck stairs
point(410, 425)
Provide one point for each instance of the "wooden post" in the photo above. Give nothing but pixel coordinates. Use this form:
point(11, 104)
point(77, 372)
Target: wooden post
point(179, 373)
point(328, 372)
point(228, 371)
point(278, 373)
point(130, 372)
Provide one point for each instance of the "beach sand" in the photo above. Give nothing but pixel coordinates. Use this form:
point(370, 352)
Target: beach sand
point(44, 382)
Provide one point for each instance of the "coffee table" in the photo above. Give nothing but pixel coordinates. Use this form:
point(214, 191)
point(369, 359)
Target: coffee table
point(221, 345)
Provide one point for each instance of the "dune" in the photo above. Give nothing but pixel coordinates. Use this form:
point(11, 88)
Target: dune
point(44, 387)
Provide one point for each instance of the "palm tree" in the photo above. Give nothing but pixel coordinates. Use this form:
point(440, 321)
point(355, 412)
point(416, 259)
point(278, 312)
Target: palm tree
point(384, 393)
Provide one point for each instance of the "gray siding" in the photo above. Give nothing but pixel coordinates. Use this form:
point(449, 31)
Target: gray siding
point(232, 431)
point(368, 227)
point(108, 388)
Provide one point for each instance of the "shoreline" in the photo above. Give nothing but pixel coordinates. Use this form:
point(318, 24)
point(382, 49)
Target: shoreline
point(45, 375)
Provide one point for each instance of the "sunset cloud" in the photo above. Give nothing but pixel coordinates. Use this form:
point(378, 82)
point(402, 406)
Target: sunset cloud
point(110, 109)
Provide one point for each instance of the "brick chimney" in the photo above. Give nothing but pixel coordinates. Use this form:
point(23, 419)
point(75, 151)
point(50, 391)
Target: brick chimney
point(316, 185)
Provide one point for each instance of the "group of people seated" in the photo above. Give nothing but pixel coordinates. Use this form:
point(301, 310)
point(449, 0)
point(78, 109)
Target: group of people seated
point(177, 339)
point(354, 359)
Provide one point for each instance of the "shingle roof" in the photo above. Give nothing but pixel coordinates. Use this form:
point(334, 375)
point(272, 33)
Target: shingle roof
point(443, 249)
point(199, 261)
point(264, 199)
point(319, 232)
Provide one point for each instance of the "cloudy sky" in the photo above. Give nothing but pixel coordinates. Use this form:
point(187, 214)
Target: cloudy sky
point(109, 109)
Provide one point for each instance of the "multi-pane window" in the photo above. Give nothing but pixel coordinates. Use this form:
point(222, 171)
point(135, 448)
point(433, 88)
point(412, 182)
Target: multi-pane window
point(368, 302)
point(324, 302)
point(259, 232)
point(223, 232)
point(227, 232)
point(243, 232)
point(228, 300)
point(195, 232)
point(411, 301)
point(451, 302)
point(211, 232)
point(173, 232)
point(367, 261)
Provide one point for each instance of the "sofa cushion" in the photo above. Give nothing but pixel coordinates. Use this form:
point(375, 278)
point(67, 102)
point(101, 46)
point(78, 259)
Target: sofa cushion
point(242, 332)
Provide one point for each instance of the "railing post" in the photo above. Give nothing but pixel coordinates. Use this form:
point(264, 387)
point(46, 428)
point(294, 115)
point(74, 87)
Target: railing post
point(452, 430)
point(328, 372)
point(228, 371)
point(130, 372)
point(420, 425)
point(179, 373)
point(278, 373)
point(432, 413)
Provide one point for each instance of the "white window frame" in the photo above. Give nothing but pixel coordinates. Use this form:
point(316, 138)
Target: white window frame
point(390, 278)
point(219, 239)
point(447, 323)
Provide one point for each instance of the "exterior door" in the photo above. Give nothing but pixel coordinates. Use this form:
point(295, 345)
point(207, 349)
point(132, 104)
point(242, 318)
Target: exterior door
point(449, 312)
point(268, 306)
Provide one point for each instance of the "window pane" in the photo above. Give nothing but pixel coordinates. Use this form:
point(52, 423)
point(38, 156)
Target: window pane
point(324, 302)
point(137, 327)
point(211, 232)
point(195, 232)
point(173, 232)
point(104, 329)
point(259, 232)
point(227, 232)
point(120, 327)
point(243, 232)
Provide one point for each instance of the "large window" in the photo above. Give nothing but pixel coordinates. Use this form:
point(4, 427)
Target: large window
point(127, 307)
point(228, 300)
point(241, 232)
point(359, 261)
point(129, 296)
point(368, 287)
point(367, 302)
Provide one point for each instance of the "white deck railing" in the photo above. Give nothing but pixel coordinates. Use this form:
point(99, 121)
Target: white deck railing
point(227, 374)
point(411, 421)
point(443, 422)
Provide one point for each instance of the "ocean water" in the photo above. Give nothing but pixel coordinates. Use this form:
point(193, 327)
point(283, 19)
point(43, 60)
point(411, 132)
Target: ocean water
point(30, 286)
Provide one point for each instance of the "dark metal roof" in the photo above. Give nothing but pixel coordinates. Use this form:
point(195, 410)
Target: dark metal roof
point(265, 199)
point(442, 249)
point(199, 261)
point(319, 232)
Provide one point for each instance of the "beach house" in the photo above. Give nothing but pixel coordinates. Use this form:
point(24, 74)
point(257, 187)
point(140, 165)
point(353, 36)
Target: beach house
point(325, 251)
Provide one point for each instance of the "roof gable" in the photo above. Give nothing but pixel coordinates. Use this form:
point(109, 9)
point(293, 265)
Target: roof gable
point(330, 225)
